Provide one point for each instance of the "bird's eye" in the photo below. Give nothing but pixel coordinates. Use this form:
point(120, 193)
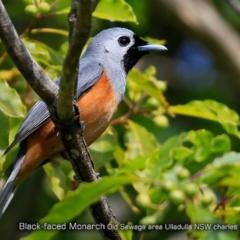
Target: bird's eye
point(124, 41)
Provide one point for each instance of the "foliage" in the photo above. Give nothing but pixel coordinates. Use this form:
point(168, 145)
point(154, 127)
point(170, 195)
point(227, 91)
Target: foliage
point(190, 178)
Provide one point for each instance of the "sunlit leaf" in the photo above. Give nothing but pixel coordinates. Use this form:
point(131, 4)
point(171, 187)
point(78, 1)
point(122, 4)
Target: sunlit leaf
point(10, 131)
point(126, 234)
point(131, 165)
point(115, 10)
point(147, 84)
point(181, 153)
point(4, 123)
point(155, 41)
point(139, 141)
point(55, 182)
point(211, 110)
point(221, 168)
point(198, 216)
point(75, 202)
point(13, 108)
point(43, 53)
point(9, 74)
point(220, 143)
point(230, 158)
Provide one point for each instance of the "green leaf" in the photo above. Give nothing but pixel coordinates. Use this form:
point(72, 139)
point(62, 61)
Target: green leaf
point(4, 123)
point(139, 141)
point(220, 143)
point(221, 168)
point(148, 83)
point(201, 140)
point(75, 202)
point(44, 54)
point(132, 165)
point(126, 234)
point(231, 158)
point(199, 215)
point(55, 182)
point(102, 150)
point(10, 102)
point(11, 110)
point(155, 40)
point(194, 109)
point(14, 124)
point(181, 153)
point(115, 10)
point(163, 156)
point(211, 110)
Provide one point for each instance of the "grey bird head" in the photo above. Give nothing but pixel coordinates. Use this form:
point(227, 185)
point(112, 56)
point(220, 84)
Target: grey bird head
point(120, 45)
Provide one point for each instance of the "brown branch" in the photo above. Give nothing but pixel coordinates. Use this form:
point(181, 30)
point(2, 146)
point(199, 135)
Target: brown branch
point(64, 113)
point(133, 109)
point(80, 27)
point(79, 35)
point(31, 71)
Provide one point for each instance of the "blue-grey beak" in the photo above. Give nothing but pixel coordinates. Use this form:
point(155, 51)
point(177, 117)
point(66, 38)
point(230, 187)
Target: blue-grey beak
point(151, 48)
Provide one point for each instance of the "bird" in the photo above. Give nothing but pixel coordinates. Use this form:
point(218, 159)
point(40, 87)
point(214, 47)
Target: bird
point(101, 85)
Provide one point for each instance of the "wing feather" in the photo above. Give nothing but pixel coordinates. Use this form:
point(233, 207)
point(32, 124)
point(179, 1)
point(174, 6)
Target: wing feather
point(39, 115)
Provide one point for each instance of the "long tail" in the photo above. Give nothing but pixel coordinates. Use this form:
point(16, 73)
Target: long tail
point(10, 187)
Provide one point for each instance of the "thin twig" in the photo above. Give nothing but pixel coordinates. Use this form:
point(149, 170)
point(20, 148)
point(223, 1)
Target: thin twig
point(134, 108)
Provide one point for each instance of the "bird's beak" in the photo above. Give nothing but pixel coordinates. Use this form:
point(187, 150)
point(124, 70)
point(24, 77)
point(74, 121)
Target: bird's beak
point(151, 48)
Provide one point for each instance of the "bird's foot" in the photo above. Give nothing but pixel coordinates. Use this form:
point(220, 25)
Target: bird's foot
point(82, 123)
point(98, 175)
point(76, 178)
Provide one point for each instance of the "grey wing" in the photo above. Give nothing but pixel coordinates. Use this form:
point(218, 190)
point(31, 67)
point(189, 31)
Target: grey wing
point(88, 75)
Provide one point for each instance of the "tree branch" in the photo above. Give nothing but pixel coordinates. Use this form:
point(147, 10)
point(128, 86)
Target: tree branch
point(80, 27)
point(64, 113)
point(31, 71)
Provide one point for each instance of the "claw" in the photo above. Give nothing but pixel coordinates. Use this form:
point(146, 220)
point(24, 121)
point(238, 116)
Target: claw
point(76, 178)
point(82, 123)
point(98, 175)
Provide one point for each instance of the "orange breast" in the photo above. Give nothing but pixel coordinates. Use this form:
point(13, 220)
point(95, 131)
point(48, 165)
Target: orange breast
point(97, 108)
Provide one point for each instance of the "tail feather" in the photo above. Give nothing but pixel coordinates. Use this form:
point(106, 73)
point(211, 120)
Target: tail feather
point(10, 187)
